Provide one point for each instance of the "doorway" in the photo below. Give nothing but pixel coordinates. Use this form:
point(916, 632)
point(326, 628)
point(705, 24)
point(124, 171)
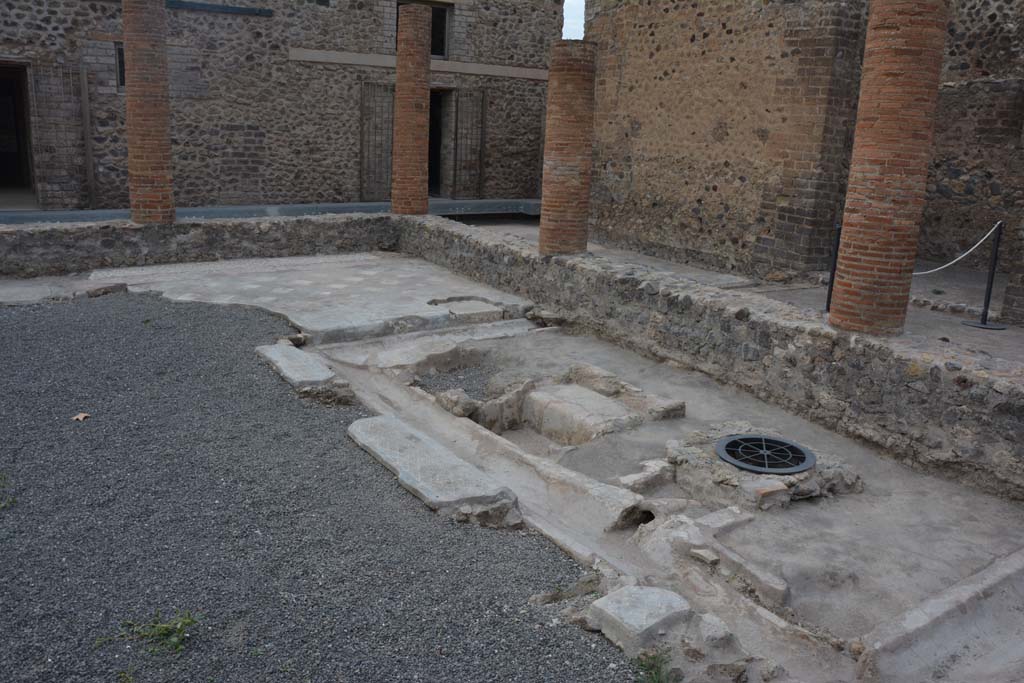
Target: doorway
point(15, 143)
point(439, 120)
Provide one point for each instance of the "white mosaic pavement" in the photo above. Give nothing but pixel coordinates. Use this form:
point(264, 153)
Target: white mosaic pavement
point(333, 298)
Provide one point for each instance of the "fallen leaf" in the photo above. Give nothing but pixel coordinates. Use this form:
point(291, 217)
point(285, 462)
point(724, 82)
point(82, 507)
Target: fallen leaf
point(81, 417)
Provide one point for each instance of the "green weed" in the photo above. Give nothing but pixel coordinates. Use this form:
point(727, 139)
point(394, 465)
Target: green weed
point(654, 666)
point(163, 636)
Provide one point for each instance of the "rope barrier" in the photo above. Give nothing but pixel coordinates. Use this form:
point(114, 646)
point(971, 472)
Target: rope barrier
point(964, 255)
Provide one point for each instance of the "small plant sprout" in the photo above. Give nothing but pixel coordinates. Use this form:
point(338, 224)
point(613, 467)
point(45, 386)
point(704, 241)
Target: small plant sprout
point(162, 636)
point(654, 666)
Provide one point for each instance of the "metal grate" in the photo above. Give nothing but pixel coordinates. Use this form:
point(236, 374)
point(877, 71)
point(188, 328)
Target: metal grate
point(470, 143)
point(378, 121)
point(764, 454)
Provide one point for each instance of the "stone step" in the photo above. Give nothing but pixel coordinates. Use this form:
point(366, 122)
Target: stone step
point(447, 484)
point(398, 351)
point(300, 369)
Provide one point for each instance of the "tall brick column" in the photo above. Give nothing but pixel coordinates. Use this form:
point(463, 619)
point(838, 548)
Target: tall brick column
point(411, 147)
point(892, 150)
point(568, 149)
point(150, 188)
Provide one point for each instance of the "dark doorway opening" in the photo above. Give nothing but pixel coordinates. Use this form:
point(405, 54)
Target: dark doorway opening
point(15, 155)
point(435, 173)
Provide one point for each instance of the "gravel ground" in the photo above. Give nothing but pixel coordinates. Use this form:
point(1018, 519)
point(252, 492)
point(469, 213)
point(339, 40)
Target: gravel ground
point(201, 482)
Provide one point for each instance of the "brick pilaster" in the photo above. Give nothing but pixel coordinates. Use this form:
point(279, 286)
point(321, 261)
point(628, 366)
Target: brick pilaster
point(410, 152)
point(892, 151)
point(150, 188)
point(568, 149)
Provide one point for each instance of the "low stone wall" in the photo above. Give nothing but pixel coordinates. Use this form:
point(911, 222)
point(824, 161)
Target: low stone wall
point(60, 248)
point(947, 415)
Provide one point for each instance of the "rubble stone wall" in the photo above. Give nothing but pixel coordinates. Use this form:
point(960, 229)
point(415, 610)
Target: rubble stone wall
point(977, 174)
point(248, 124)
point(61, 248)
point(724, 131)
point(948, 415)
point(955, 414)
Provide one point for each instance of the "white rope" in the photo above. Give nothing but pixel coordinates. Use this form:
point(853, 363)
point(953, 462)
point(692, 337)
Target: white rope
point(964, 255)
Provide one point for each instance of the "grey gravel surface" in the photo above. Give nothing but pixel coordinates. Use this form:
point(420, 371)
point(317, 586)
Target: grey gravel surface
point(202, 482)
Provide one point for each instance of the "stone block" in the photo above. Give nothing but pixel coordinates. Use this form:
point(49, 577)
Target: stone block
point(655, 473)
point(300, 369)
point(634, 617)
point(448, 485)
point(571, 414)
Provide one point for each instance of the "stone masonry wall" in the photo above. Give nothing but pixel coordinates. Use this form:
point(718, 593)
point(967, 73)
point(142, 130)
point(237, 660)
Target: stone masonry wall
point(56, 249)
point(957, 413)
point(950, 414)
point(249, 125)
point(724, 130)
point(977, 175)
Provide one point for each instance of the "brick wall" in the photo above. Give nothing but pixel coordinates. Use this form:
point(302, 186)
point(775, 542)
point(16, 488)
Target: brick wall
point(568, 149)
point(889, 170)
point(799, 212)
point(301, 125)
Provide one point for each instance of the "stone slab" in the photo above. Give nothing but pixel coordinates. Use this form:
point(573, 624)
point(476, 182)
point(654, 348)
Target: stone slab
point(399, 351)
point(632, 617)
point(300, 369)
point(433, 474)
point(572, 414)
point(333, 298)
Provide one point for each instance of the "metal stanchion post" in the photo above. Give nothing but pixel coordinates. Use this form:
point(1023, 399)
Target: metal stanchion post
point(985, 324)
point(835, 264)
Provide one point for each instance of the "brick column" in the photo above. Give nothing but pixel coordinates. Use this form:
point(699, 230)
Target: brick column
point(411, 147)
point(150, 188)
point(892, 151)
point(568, 149)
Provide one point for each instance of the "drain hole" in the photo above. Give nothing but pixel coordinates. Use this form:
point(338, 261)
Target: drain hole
point(633, 517)
point(765, 454)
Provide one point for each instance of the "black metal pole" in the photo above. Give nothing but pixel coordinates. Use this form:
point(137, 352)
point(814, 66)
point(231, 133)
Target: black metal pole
point(993, 265)
point(835, 264)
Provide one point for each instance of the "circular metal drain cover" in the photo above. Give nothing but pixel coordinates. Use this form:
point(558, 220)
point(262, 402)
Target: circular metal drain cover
point(764, 454)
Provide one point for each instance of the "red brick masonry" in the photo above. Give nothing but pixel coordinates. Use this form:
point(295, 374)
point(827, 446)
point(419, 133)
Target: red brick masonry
point(891, 154)
point(410, 153)
point(150, 187)
point(568, 149)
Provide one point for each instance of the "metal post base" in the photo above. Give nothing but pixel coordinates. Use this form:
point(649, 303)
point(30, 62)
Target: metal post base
point(983, 326)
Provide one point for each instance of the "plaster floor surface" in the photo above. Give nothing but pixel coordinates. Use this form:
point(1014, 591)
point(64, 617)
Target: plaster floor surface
point(853, 561)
